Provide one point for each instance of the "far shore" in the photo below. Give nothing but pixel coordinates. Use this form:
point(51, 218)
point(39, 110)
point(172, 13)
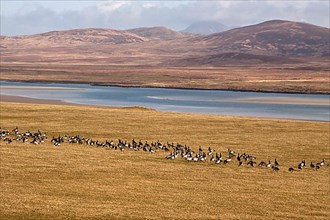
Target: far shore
point(163, 87)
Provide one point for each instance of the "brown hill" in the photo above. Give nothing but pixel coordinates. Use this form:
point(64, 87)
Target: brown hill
point(77, 37)
point(267, 42)
point(275, 38)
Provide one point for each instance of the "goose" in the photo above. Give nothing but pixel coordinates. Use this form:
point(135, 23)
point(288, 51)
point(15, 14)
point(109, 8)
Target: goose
point(269, 164)
point(220, 157)
point(203, 155)
point(240, 163)
point(196, 158)
point(8, 140)
point(121, 148)
point(189, 158)
point(275, 168)
point(15, 130)
point(134, 143)
point(25, 139)
point(276, 163)
point(312, 165)
point(169, 156)
point(227, 160)
point(183, 155)
point(34, 141)
point(4, 134)
point(262, 164)
point(291, 169)
point(321, 163)
point(238, 158)
point(230, 153)
point(302, 164)
point(209, 151)
point(251, 163)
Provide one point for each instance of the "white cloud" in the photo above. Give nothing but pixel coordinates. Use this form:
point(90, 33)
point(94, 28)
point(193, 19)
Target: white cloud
point(177, 15)
point(112, 6)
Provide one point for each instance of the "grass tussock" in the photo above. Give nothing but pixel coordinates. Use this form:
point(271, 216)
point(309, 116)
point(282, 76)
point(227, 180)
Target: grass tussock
point(71, 181)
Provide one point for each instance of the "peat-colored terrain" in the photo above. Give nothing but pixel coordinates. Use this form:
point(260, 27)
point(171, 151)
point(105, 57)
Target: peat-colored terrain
point(278, 56)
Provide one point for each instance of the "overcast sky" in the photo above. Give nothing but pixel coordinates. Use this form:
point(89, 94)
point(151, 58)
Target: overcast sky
point(30, 17)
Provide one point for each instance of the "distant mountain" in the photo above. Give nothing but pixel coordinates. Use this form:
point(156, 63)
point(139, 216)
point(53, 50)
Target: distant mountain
point(206, 28)
point(162, 33)
point(268, 42)
point(274, 38)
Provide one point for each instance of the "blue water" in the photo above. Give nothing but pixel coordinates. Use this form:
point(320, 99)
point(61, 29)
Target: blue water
point(176, 100)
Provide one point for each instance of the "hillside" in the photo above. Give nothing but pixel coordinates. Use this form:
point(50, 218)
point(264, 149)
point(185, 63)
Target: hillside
point(275, 38)
point(77, 37)
point(272, 42)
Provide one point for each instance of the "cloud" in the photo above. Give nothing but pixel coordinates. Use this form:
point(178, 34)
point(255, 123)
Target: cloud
point(176, 15)
point(112, 6)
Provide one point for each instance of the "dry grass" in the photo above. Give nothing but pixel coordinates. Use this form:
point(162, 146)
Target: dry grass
point(291, 78)
point(45, 182)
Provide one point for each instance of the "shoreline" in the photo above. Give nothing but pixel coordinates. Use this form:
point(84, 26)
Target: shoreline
point(26, 100)
point(168, 87)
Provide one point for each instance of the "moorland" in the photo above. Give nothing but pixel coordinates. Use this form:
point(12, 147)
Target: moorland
point(80, 181)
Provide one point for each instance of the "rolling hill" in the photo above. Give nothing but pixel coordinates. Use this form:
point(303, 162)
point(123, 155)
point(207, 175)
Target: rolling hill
point(268, 42)
point(274, 38)
point(76, 37)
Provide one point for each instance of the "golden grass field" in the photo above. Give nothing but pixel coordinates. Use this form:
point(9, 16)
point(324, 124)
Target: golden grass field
point(80, 181)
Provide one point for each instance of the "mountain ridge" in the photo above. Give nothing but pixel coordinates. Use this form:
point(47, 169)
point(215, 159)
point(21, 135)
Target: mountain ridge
point(275, 37)
point(266, 42)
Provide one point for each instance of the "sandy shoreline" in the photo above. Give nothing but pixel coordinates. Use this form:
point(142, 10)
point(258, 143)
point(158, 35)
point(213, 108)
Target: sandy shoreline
point(37, 88)
point(293, 101)
point(19, 99)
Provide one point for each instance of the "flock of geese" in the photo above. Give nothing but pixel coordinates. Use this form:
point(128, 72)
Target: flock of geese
point(176, 150)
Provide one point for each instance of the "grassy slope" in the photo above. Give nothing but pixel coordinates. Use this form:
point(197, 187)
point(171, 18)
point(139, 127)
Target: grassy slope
point(44, 182)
